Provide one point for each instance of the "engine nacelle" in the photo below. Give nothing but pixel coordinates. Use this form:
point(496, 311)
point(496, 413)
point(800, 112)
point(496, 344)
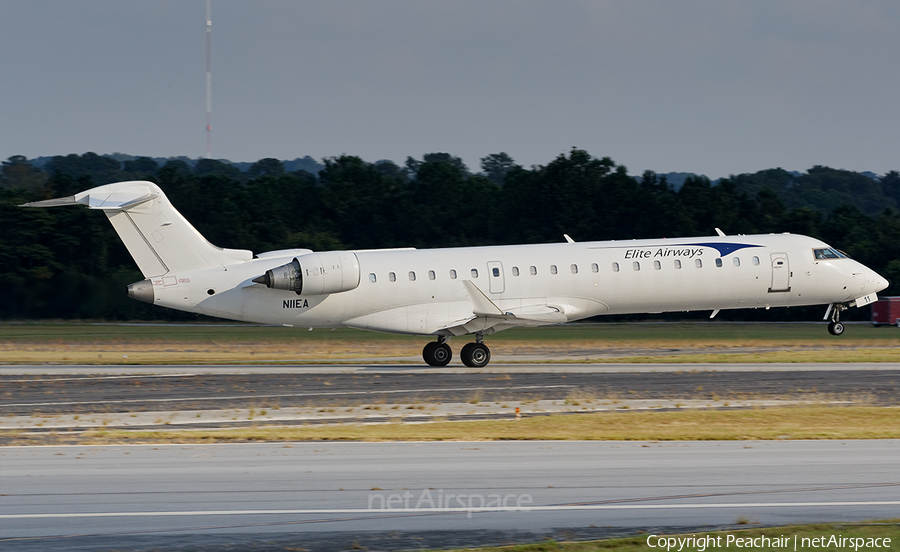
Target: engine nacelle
point(315, 274)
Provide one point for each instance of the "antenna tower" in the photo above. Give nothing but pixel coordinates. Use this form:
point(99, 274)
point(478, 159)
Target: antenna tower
point(209, 79)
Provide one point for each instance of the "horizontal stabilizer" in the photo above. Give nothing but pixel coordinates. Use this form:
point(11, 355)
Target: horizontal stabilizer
point(58, 202)
point(119, 197)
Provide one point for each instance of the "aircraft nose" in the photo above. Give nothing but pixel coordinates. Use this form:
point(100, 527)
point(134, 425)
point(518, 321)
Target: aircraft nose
point(880, 282)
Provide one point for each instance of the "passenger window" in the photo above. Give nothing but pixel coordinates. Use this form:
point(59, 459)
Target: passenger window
point(657, 265)
point(736, 261)
point(552, 269)
point(595, 267)
point(755, 261)
point(698, 263)
point(636, 265)
point(431, 275)
point(412, 276)
point(495, 272)
point(533, 270)
point(452, 274)
point(719, 262)
point(515, 271)
point(677, 263)
point(372, 278)
point(474, 273)
point(392, 277)
point(615, 267)
point(574, 269)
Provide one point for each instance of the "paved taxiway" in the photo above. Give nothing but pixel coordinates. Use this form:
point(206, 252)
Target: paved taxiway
point(228, 397)
point(301, 494)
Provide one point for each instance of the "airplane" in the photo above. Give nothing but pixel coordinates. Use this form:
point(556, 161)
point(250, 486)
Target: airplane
point(452, 292)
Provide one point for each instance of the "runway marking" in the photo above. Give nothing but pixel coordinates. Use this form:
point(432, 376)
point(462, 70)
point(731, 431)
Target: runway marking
point(333, 393)
point(102, 377)
point(448, 510)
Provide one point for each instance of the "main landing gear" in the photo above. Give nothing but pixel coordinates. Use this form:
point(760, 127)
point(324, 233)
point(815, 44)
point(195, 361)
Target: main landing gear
point(835, 327)
point(437, 353)
point(473, 355)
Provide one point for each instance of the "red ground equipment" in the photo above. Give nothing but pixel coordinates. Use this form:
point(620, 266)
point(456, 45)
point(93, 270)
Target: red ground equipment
point(886, 311)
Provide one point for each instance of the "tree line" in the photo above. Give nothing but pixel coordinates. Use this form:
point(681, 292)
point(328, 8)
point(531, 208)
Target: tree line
point(69, 263)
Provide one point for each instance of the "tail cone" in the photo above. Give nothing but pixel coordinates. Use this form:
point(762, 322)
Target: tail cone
point(264, 280)
point(142, 291)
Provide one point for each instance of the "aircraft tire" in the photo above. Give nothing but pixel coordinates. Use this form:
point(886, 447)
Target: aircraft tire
point(835, 328)
point(437, 354)
point(475, 355)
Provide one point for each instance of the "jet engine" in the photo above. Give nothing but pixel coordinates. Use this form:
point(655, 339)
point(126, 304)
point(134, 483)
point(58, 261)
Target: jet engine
point(315, 274)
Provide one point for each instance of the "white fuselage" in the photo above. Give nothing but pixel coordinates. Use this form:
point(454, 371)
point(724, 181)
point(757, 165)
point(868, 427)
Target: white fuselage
point(422, 291)
point(480, 290)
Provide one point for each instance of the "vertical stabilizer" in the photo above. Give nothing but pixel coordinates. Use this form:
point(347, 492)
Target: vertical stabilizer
point(159, 238)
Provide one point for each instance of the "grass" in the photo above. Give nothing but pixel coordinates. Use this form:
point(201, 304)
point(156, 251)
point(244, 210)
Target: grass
point(80, 343)
point(808, 422)
point(888, 529)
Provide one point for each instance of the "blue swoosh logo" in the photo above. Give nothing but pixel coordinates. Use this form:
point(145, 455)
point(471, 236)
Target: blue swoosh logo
point(725, 249)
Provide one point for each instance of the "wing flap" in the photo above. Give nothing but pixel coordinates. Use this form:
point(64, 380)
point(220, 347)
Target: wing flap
point(544, 314)
point(482, 306)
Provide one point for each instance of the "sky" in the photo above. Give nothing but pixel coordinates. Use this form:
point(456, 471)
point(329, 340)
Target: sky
point(714, 87)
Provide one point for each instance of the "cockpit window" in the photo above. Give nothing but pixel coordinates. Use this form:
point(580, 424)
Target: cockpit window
point(830, 253)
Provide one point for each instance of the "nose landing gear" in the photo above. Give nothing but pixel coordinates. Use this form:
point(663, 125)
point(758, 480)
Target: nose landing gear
point(835, 327)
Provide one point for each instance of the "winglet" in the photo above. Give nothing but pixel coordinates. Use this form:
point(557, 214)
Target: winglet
point(568, 239)
point(719, 232)
point(481, 305)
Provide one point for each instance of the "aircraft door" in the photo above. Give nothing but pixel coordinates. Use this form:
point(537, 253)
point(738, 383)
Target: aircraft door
point(781, 273)
point(495, 277)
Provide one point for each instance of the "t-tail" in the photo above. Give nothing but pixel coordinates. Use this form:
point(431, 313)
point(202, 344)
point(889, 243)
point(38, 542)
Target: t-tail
point(159, 238)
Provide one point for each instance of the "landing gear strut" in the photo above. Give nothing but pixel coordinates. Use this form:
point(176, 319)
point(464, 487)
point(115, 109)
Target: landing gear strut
point(475, 355)
point(437, 353)
point(835, 327)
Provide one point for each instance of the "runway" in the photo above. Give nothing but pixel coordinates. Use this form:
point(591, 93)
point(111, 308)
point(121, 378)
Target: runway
point(324, 496)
